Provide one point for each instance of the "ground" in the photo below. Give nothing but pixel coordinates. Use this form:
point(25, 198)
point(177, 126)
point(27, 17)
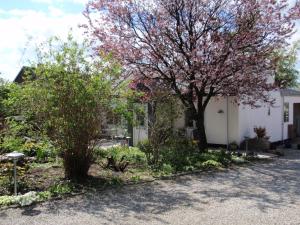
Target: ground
point(263, 193)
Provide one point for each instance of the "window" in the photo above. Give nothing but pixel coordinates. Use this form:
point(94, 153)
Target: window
point(286, 112)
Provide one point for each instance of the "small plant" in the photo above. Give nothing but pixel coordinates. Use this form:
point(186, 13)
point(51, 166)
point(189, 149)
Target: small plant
point(119, 158)
point(233, 146)
point(209, 164)
point(115, 181)
point(167, 169)
point(135, 179)
point(7, 200)
point(61, 189)
point(260, 132)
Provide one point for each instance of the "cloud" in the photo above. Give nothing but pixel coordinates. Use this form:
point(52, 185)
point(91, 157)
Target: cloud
point(22, 30)
point(81, 2)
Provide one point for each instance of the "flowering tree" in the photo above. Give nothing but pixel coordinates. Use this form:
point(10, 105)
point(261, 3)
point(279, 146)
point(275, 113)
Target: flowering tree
point(198, 48)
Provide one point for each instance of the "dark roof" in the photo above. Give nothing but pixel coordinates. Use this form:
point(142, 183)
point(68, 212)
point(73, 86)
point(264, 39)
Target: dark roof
point(289, 92)
point(25, 71)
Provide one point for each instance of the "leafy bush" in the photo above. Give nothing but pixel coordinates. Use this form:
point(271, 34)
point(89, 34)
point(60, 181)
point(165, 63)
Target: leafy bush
point(211, 164)
point(179, 153)
point(260, 132)
point(167, 169)
point(7, 200)
point(61, 189)
point(19, 135)
point(7, 181)
point(118, 158)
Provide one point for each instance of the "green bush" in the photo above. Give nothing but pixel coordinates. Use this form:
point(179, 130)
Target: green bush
point(209, 164)
point(11, 143)
point(118, 158)
point(7, 200)
point(146, 147)
point(167, 169)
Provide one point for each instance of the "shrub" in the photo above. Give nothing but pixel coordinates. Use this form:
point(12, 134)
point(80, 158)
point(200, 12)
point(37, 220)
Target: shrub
point(209, 164)
point(69, 98)
point(260, 132)
point(179, 152)
point(7, 200)
point(119, 158)
point(167, 169)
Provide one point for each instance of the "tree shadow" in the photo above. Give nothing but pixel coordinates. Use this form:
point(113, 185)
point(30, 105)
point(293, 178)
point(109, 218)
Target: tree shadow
point(262, 185)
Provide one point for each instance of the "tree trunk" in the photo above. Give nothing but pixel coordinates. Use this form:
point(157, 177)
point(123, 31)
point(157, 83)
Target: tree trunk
point(76, 166)
point(202, 140)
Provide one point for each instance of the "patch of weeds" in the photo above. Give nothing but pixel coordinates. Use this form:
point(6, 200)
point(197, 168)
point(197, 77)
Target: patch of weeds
point(7, 200)
point(135, 179)
point(115, 181)
point(238, 160)
point(61, 189)
point(211, 164)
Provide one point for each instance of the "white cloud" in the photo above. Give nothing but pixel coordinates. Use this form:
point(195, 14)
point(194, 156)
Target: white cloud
point(60, 1)
point(21, 30)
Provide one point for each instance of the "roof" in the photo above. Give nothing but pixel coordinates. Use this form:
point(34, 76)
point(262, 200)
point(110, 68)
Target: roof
point(289, 92)
point(25, 71)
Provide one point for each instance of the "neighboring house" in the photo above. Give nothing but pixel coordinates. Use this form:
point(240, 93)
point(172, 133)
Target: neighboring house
point(227, 122)
point(24, 72)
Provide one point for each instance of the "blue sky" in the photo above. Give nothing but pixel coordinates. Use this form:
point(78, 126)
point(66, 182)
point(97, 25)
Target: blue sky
point(26, 23)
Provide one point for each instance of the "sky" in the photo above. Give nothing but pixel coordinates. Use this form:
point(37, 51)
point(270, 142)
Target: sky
point(26, 23)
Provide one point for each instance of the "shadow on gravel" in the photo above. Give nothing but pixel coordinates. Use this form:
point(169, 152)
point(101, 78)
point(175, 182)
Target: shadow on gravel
point(142, 202)
point(265, 185)
point(268, 185)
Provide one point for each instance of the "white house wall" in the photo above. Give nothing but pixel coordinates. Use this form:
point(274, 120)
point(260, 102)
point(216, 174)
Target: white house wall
point(216, 121)
point(258, 117)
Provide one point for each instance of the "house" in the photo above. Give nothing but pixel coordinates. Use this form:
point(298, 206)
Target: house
point(227, 122)
point(25, 71)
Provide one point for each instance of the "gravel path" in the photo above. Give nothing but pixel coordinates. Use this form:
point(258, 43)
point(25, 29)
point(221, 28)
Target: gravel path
point(266, 193)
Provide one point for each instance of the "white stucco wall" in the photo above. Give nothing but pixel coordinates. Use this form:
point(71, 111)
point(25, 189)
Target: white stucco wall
point(255, 117)
point(241, 120)
point(216, 122)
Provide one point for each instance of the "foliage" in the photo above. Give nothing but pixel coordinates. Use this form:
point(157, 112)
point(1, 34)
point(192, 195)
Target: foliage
point(197, 49)
point(180, 154)
point(211, 164)
point(233, 146)
point(32, 197)
point(20, 135)
point(4, 90)
point(163, 109)
point(68, 99)
point(286, 74)
point(260, 132)
point(119, 158)
point(7, 200)
point(7, 180)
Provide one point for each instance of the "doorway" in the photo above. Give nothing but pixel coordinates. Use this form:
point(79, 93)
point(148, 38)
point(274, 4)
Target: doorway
point(296, 122)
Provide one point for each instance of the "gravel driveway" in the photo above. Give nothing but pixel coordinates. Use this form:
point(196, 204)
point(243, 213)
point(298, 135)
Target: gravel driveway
point(266, 193)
